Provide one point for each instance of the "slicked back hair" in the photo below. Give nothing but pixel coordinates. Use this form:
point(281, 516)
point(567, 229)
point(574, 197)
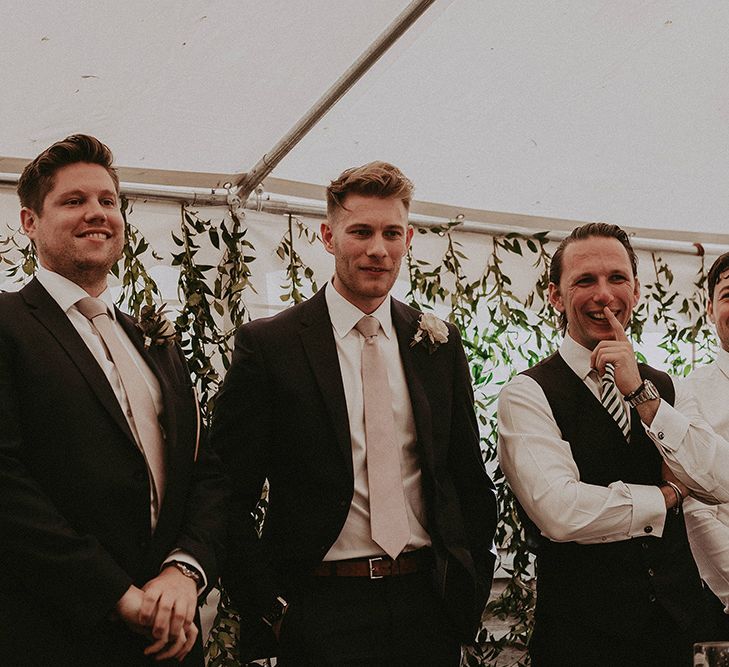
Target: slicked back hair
point(37, 178)
point(591, 229)
point(374, 179)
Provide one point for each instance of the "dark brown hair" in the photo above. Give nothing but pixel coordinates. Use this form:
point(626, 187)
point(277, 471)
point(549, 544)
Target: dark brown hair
point(37, 178)
point(374, 179)
point(717, 268)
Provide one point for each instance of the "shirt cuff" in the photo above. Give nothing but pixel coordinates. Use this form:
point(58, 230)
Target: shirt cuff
point(668, 429)
point(649, 511)
point(188, 559)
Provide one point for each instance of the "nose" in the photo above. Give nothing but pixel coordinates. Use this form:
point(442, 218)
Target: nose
point(376, 246)
point(603, 294)
point(94, 211)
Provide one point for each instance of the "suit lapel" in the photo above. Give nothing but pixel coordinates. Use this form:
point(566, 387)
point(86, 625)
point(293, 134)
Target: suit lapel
point(317, 337)
point(50, 315)
point(405, 322)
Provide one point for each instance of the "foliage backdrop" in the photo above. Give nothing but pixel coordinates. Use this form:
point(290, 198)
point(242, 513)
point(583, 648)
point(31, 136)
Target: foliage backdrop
point(505, 328)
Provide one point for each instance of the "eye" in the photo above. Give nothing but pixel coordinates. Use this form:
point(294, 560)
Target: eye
point(108, 201)
point(618, 278)
point(73, 201)
point(393, 234)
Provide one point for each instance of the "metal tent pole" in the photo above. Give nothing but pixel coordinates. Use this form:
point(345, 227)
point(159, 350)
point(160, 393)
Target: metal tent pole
point(249, 180)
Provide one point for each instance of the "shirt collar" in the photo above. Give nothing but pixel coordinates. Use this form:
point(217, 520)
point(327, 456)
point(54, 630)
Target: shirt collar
point(722, 359)
point(576, 356)
point(344, 315)
point(66, 293)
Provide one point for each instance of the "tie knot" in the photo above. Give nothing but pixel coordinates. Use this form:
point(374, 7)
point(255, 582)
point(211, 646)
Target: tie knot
point(90, 307)
point(368, 326)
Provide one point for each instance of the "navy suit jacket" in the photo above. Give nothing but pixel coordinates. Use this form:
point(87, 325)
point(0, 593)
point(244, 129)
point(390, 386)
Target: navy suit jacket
point(75, 509)
point(282, 415)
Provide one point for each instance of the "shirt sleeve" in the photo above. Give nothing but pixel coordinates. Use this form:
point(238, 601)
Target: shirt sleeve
point(188, 559)
point(697, 455)
point(708, 530)
point(539, 467)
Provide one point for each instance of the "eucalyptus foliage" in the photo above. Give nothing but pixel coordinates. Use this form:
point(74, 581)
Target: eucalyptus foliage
point(503, 333)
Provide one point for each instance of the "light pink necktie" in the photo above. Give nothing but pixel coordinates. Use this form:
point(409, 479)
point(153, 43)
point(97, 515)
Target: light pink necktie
point(144, 414)
point(388, 516)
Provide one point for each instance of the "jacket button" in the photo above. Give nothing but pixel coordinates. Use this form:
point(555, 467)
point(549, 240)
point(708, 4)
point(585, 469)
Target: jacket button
point(648, 529)
point(644, 545)
point(651, 598)
point(650, 572)
point(660, 435)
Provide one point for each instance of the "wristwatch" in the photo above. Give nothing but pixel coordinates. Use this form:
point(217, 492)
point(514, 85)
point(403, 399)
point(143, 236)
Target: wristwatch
point(276, 612)
point(645, 392)
point(188, 571)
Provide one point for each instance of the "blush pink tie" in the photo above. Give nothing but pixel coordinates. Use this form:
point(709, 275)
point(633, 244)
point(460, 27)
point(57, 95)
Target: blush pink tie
point(144, 414)
point(388, 515)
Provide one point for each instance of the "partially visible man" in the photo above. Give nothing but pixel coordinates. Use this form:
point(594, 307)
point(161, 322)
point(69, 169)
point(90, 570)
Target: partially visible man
point(377, 543)
point(600, 460)
point(708, 525)
point(111, 510)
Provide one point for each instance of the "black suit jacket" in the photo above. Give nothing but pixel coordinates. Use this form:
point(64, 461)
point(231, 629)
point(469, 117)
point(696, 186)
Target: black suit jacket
point(75, 509)
point(282, 415)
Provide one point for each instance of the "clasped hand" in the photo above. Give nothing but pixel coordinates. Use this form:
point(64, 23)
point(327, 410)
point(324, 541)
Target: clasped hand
point(163, 610)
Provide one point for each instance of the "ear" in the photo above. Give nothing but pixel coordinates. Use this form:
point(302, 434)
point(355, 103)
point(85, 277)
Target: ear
point(326, 236)
point(28, 220)
point(555, 298)
point(409, 236)
point(710, 310)
point(636, 292)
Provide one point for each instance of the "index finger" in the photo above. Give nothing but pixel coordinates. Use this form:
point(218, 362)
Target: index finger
point(617, 327)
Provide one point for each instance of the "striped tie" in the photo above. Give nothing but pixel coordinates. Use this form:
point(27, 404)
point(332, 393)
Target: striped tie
point(613, 402)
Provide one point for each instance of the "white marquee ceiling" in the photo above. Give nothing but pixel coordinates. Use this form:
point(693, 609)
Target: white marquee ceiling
point(569, 109)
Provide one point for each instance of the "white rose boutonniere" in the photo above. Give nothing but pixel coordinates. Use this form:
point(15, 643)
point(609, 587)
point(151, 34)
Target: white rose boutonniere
point(431, 331)
point(155, 327)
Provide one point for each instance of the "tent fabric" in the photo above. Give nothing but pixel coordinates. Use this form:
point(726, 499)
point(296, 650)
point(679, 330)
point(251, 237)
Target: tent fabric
point(574, 109)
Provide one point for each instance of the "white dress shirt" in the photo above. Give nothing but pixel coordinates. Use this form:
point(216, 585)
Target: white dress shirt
point(355, 539)
point(66, 294)
point(540, 469)
point(708, 525)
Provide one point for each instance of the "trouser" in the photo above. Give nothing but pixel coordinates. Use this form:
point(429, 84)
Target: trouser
point(357, 621)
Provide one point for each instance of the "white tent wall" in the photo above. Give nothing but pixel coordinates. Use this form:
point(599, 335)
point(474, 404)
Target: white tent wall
point(157, 221)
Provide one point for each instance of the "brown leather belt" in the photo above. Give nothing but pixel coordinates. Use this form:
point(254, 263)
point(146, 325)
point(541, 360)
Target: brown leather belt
point(376, 567)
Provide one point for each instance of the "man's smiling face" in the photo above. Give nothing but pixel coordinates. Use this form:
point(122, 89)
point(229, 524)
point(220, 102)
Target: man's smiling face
point(368, 240)
point(79, 232)
point(596, 273)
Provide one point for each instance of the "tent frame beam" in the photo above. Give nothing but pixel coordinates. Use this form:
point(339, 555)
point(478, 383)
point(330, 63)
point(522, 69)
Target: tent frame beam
point(248, 181)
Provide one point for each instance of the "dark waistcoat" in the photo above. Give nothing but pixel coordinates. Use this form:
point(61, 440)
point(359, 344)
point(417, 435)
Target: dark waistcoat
point(613, 585)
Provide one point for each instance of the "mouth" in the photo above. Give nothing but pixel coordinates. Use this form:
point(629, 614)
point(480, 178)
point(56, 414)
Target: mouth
point(600, 316)
point(99, 236)
point(374, 269)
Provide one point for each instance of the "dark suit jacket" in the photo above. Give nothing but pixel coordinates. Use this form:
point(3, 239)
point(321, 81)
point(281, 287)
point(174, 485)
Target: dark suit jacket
point(75, 509)
point(282, 415)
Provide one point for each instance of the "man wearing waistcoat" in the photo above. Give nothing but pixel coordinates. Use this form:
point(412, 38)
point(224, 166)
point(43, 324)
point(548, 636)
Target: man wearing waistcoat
point(333, 578)
point(600, 468)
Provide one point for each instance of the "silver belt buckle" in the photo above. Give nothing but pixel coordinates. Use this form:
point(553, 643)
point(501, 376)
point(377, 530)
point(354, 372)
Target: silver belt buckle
point(372, 567)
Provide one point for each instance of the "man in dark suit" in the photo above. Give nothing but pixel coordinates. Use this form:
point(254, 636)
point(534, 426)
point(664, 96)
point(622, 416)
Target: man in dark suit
point(111, 506)
point(340, 579)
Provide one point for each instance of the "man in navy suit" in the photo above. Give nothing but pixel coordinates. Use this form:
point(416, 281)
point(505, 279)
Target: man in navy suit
point(327, 574)
point(107, 540)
